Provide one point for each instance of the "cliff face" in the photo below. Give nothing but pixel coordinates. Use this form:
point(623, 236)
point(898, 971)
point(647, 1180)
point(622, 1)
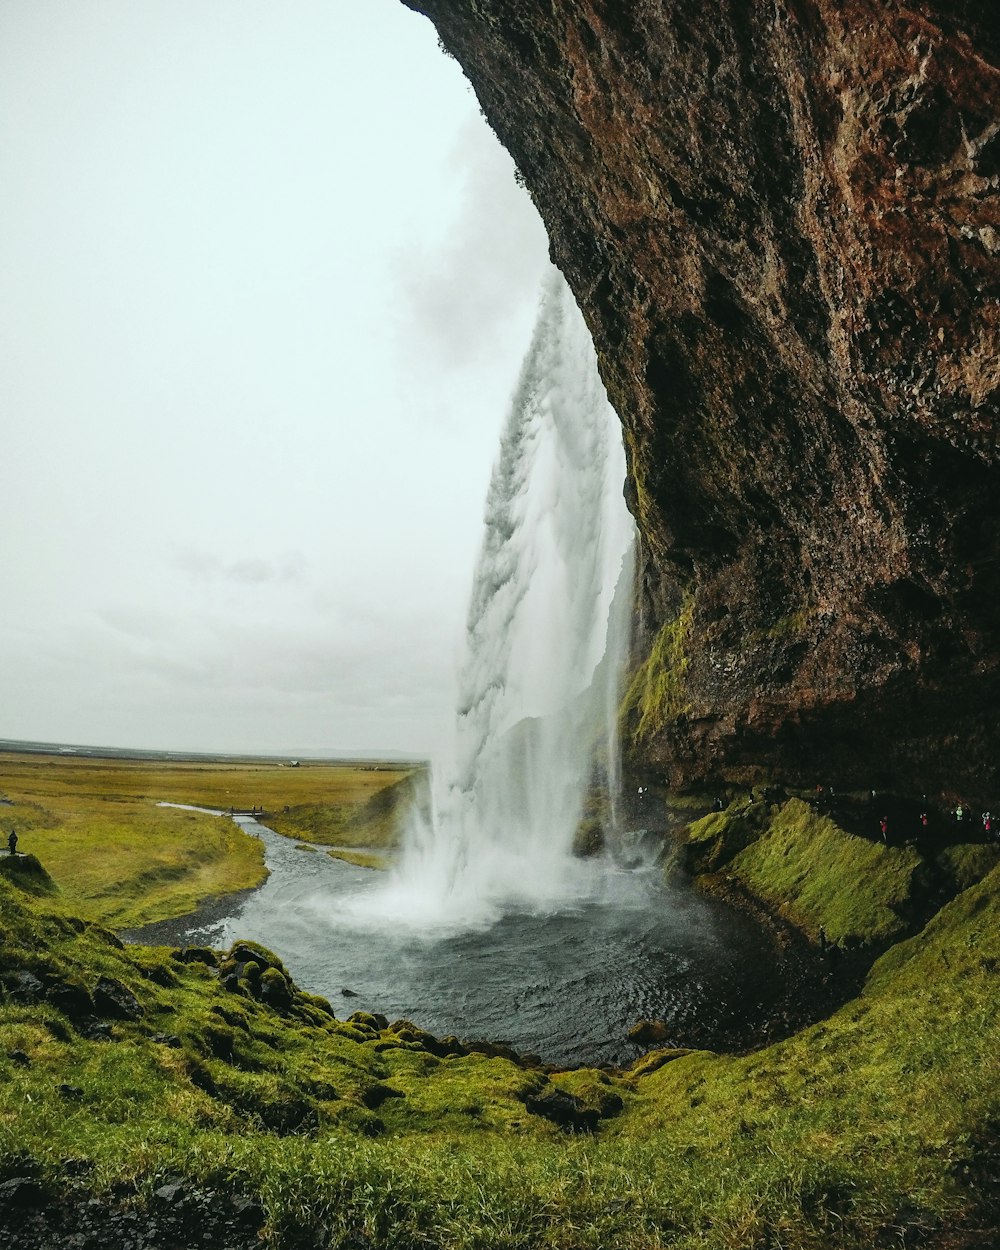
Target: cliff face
point(781, 221)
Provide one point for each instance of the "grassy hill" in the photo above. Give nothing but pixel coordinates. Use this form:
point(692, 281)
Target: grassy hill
point(125, 1070)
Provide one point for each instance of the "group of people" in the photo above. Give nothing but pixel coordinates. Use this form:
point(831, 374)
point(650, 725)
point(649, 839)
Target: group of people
point(960, 813)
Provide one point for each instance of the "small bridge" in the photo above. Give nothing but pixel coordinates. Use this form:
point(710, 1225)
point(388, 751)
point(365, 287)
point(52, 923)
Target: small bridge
point(256, 812)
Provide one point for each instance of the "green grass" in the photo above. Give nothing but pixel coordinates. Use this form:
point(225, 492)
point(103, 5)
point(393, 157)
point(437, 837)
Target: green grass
point(368, 816)
point(849, 1134)
point(656, 693)
point(361, 859)
point(817, 875)
point(810, 871)
point(869, 1129)
point(115, 856)
point(968, 863)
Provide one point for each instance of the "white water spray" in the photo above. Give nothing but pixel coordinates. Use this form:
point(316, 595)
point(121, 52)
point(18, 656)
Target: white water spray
point(539, 684)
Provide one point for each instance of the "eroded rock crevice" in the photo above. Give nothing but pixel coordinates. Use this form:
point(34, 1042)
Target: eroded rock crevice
point(781, 221)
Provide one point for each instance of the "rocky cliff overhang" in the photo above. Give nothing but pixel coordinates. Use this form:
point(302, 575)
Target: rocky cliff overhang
point(781, 222)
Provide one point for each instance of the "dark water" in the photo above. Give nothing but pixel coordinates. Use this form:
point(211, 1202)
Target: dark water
point(567, 985)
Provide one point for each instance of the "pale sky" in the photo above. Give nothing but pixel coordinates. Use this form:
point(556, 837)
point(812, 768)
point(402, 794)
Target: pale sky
point(266, 280)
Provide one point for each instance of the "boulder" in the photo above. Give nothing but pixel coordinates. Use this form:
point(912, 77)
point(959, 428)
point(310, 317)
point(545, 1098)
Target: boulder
point(275, 990)
point(565, 1110)
point(116, 1001)
point(72, 1000)
point(649, 1033)
point(22, 986)
point(197, 955)
point(21, 1193)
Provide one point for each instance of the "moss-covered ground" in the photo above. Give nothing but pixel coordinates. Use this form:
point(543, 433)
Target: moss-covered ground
point(875, 1127)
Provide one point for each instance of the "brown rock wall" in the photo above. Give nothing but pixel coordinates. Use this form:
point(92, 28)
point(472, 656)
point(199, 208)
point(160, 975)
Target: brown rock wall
point(781, 221)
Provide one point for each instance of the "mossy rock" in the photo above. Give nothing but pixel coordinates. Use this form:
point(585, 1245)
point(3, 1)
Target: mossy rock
point(252, 972)
point(318, 1003)
point(367, 1022)
point(26, 872)
point(595, 1091)
point(275, 989)
point(655, 1059)
point(657, 693)
point(244, 952)
point(588, 840)
point(648, 1032)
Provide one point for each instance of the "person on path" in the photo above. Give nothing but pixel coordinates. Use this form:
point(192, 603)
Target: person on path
point(12, 843)
point(884, 826)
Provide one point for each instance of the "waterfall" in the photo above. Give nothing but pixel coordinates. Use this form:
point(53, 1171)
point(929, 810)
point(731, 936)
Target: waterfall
point(545, 637)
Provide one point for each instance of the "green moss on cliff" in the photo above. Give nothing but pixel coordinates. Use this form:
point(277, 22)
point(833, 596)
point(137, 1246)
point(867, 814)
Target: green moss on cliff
point(657, 692)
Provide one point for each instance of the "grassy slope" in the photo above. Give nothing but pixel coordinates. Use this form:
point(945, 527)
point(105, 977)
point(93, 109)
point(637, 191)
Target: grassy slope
point(863, 1130)
point(361, 810)
point(113, 854)
point(818, 875)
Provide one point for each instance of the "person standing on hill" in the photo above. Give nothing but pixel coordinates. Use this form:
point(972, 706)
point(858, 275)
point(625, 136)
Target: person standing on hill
point(12, 843)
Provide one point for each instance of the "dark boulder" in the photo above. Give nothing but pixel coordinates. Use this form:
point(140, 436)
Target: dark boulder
point(565, 1110)
point(274, 990)
point(115, 1001)
point(649, 1033)
point(22, 986)
point(197, 955)
point(167, 1039)
point(21, 1193)
point(72, 1000)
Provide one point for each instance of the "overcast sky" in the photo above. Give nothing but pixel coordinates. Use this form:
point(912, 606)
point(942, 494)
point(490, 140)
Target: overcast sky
point(266, 280)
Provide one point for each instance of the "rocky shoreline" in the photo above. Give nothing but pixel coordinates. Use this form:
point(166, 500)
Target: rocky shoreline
point(193, 926)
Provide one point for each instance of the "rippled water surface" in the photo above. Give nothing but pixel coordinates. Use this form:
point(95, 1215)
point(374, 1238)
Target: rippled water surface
point(567, 985)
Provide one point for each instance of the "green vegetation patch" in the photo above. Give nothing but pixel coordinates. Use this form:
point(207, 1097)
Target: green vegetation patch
point(362, 859)
point(710, 843)
point(874, 1128)
point(968, 863)
point(116, 856)
point(816, 875)
point(657, 692)
point(867, 1130)
point(353, 818)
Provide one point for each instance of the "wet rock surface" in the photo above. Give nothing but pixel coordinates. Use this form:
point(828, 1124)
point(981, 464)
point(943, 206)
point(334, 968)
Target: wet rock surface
point(782, 224)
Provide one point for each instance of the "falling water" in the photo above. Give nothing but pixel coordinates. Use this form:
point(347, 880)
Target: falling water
point(490, 927)
point(538, 687)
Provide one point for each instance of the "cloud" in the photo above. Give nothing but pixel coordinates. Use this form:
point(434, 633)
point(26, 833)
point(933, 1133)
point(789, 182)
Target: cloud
point(202, 566)
point(459, 293)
